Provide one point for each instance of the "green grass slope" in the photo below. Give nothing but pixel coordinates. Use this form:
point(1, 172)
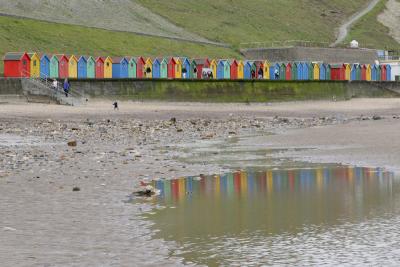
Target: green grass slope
point(238, 21)
point(31, 35)
point(371, 33)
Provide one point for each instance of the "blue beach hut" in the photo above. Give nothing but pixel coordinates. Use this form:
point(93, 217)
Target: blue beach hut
point(156, 68)
point(220, 70)
point(44, 66)
point(119, 67)
point(388, 72)
point(299, 67)
point(82, 67)
point(306, 71)
point(185, 68)
point(322, 71)
point(247, 70)
point(353, 73)
point(374, 72)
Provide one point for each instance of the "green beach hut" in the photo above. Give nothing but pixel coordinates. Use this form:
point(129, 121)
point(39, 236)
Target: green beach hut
point(132, 68)
point(164, 68)
point(91, 68)
point(294, 71)
point(193, 70)
point(54, 67)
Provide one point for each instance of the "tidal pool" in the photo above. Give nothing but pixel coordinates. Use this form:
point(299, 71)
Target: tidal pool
point(334, 215)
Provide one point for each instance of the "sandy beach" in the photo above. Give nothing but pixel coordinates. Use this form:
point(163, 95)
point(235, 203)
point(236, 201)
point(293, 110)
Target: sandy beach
point(43, 222)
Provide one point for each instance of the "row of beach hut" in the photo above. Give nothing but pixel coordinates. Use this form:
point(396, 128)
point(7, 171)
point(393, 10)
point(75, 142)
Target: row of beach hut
point(88, 67)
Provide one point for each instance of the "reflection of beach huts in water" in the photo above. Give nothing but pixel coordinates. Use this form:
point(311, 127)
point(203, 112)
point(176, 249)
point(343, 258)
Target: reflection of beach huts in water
point(270, 182)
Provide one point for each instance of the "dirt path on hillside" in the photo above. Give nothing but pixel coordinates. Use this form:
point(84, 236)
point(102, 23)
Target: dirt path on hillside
point(391, 18)
point(344, 28)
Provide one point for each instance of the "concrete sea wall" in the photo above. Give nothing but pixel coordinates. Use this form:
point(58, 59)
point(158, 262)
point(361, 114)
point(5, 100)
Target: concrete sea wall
point(217, 91)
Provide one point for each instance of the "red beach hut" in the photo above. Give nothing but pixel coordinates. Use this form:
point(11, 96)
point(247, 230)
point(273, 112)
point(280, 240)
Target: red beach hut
point(338, 72)
point(62, 66)
point(234, 69)
point(140, 65)
point(171, 68)
point(364, 72)
point(17, 65)
point(100, 68)
point(201, 63)
point(288, 71)
point(383, 73)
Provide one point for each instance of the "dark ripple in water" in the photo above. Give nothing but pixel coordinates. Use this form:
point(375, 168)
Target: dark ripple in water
point(340, 215)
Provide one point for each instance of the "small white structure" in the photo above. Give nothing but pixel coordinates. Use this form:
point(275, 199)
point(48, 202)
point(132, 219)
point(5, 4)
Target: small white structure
point(354, 44)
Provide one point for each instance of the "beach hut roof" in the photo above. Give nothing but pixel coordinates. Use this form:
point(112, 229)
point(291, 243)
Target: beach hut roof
point(14, 55)
point(118, 59)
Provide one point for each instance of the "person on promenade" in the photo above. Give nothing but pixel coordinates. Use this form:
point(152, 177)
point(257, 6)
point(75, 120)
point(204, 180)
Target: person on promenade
point(55, 84)
point(66, 87)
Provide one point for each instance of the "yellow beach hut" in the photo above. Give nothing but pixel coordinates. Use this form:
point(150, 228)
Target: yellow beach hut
point(347, 72)
point(213, 66)
point(240, 70)
point(72, 67)
point(368, 74)
point(108, 68)
point(267, 66)
point(316, 69)
point(178, 68)
point(148, 68)
point(35, 65)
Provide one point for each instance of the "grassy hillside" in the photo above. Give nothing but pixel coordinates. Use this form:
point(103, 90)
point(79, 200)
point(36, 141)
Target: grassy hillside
point(32, 35)
point(238, 21)
point(369, 32)
point(116, 15)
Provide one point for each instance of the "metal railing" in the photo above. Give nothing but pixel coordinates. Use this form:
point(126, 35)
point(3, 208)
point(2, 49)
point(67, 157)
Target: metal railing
point(56, 93)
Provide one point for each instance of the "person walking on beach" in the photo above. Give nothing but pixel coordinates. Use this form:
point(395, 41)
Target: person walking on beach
point(115, 104)
point(66, 87)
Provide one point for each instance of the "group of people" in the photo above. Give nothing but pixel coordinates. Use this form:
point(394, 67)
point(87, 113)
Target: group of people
point(66, 86)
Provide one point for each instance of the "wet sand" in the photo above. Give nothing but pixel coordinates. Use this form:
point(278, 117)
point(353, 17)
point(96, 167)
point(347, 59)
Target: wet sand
point(43, 222)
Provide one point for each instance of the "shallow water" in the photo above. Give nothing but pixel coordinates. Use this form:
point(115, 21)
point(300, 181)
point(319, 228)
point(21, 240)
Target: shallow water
point(323, 215)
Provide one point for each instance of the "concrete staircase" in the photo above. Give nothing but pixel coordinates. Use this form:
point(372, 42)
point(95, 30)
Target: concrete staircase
point(40, 90)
